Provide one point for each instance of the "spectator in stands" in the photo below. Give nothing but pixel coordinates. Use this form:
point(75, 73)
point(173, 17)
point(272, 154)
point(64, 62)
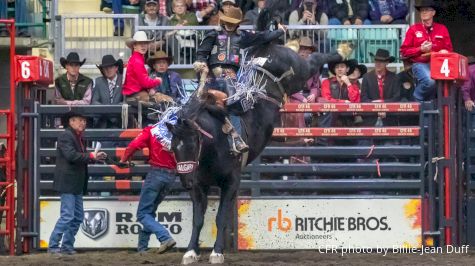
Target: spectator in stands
point(357, 74)
point(309, 13)
point(73, 88)
point(406, 79)
point(323, 4)
point(204, 9)
point(388, 11)
point(250, 17)
point(346, 12)
point(172, 85)
point(381, 85)
point(155, 187)
point(152, 17)
point(339, 87)
point(138, 87)
point(117, 9)
point(421, 40)
point(309, 93)
point(70, 180)
point(108, 89)
point(468, 88)
point(183, 46)
point(21, 16)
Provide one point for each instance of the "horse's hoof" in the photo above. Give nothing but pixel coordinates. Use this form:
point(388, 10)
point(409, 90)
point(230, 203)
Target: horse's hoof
point(216, 258)
point(190, 257)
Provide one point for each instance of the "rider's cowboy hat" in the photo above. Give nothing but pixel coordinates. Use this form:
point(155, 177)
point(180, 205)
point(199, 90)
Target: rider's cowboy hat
point(139, 36)
point(382, 55)
point(231, 15)
point(157, 56)
point(305, 41)
point(73, 112)
point(351, 64)
point(425, 3)
point(109, 60)
point(72, 57)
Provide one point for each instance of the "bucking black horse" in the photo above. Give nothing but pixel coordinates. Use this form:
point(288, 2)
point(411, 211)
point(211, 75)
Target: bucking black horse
point(202, 149)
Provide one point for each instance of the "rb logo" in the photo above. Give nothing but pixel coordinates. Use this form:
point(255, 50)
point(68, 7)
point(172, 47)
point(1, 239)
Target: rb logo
point(283, 223)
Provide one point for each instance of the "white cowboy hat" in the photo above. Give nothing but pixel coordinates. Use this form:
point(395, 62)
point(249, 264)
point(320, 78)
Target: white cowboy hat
point(139, 36)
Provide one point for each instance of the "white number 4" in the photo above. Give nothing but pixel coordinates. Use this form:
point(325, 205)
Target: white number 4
point(445, 68)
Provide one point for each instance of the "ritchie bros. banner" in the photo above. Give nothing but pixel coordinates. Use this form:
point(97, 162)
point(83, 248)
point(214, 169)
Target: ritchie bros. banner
point(316, 223)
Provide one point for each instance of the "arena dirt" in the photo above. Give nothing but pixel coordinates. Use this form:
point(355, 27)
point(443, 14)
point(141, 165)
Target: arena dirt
point(242, 258)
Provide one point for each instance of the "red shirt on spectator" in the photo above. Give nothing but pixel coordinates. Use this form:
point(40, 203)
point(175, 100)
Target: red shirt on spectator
point(159, 157)
point(418, 33)
point(353, 91)
point(136, 77)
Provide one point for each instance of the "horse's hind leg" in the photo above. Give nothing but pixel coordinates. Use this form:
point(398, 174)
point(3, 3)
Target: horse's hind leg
point(199, 196)
point(226, 206)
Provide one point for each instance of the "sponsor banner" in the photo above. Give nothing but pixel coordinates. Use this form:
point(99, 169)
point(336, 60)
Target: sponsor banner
point(319, 223)
point(350, 107)
point(347, 132)
point(113, 224)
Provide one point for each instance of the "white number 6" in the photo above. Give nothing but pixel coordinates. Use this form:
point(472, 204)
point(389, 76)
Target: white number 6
point(25, 69)
point(445, 68)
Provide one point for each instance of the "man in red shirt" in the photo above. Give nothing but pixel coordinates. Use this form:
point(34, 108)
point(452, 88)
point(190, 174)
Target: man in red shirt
point(421, 40)
point(155, 187)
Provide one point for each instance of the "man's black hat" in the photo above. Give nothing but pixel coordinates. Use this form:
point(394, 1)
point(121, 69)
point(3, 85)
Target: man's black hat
point(72, 57)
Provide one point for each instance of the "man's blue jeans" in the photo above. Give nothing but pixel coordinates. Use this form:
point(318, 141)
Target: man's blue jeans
point(425, 86)
point(155, 187)
point(67, 226)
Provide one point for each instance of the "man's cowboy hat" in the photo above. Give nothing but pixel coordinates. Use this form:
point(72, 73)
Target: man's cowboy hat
point(351, 64)
point(109, 60)
point(382, 55)
point(139, 36)
point(73, 112)
point(72, 57)
point(157, 56)
point(362, 68)
point(425, 3)
point(232, 15)
point(305, 41)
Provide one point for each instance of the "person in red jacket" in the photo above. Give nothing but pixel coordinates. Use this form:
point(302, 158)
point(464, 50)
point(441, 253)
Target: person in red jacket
point(421, 40)
point(339, 89)
point(138, 86)
point(155, 187)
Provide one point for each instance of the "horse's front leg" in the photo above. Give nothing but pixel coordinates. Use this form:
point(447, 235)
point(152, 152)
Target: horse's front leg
point(199, 197)
point(226, 206)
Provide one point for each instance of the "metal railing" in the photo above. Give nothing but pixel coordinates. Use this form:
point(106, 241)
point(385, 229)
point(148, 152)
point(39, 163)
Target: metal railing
point(92, 36)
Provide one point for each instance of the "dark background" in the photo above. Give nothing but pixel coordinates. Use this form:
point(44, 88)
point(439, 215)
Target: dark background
point(459, 17)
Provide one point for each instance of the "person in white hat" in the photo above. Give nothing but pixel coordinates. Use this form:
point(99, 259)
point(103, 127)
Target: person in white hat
point(138, 85)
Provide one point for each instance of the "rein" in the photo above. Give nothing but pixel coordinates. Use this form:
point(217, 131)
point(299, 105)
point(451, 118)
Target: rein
point(277, 80)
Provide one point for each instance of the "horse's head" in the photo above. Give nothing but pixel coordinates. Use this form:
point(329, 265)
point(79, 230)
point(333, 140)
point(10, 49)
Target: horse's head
point(186, 144)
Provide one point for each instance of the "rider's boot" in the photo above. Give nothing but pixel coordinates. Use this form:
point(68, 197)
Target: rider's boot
point(238, 144)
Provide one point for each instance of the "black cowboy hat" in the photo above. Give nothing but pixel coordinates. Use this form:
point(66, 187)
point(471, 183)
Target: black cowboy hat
point(72, 57)
point(73, 112)
point(425, 3)
point(109, 60)
point(351, 64)
point(382, 55)
point(362, 68)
